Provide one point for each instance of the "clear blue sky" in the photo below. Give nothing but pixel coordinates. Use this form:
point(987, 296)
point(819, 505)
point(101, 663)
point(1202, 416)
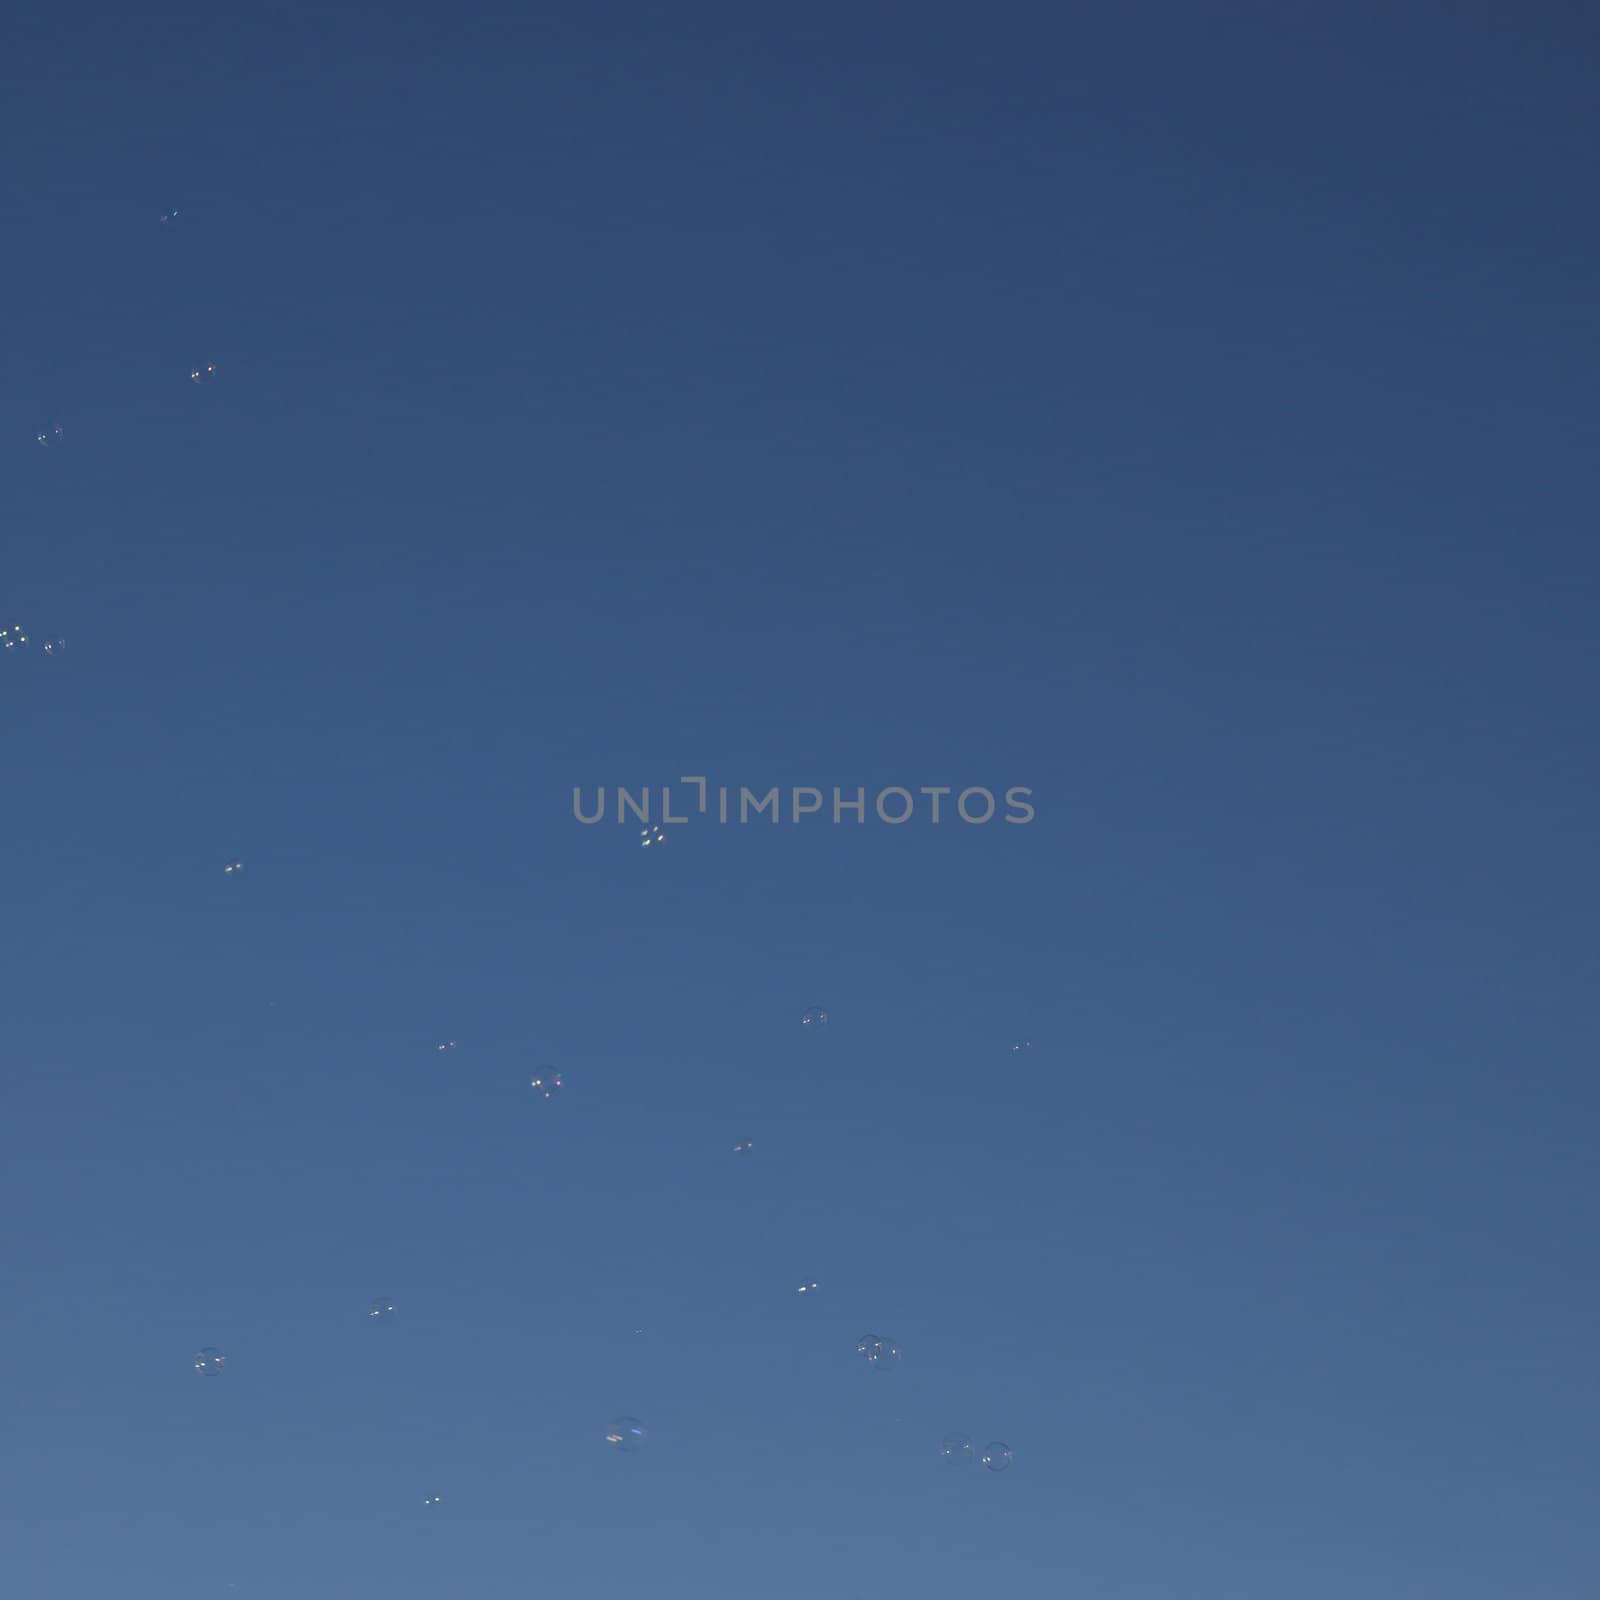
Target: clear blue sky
point(1185, 411)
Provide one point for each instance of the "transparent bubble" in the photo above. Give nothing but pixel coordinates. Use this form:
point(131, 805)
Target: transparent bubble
point(210, 1361)
point(547, 1082)
point(956, 1448)
point(449, 1044)
point(1022, 1047)
point(814, 1017)
point(169, 216)
point(997, 1456)
point(51, 646)
point(50, 437)
point(876, 1352)
point(433, 1500)
point(652, 835)
point(810, 1286)
point(202, 374)
point(626, 1434)
point(381, 1309)
point(11, 637)
point(236, 866)
point(743, 1145)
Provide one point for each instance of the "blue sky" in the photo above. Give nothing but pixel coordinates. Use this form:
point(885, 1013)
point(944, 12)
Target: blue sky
point(1184, 412)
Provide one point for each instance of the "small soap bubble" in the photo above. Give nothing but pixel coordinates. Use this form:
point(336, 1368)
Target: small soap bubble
point(202, 374)
point(810, 1286)
point(52, 646)
point(814, 1017)
point(625, 1434)
point(433, 1499)
point(50, 437)
point(997, 1456)
point(547, 1082)
point(210, 1361)
point(381, 1309)
point(956, 1448)
point(234, 866)
point(743, 1145)
point(168, 217)
point(449, 1044)
point(1022, 1047)
point(876, 1352)
point(651, 835)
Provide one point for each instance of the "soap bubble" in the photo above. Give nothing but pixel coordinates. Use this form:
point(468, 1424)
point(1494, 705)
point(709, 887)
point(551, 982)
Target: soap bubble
point(50, 437)
point(234, 866)
point(381, 1309)
point(626, 1434)
point(210, 1361)
point(743, 1145)
point(810, 1286)
point(11, 637)
point(169, 216)
point(202, 374)
point(1022, 1047)
point(997, 1456)
point(449, 1044)
point(876, 1352)
point(814, 1017)
point(432, 1499)
point(956, 1448)
point(652, 835)
point(547, 1082)
point(51, 646)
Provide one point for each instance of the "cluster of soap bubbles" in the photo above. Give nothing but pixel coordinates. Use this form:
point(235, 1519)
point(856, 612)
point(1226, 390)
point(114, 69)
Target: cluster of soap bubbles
point(627, 1434)
point(11, 637)
point(957, 1449)
point(652, 835)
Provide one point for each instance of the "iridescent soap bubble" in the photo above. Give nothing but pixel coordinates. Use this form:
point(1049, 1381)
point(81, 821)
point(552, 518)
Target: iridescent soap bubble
point(626, 1434)
point(50, 437)
point(652, 835)
point(956, 1448)
point(547, 1082)
point(381, 1309)
point(202, 374)
point(209, 1362)
point(876, 1352)
point(997, 1456)
point(814, 1017)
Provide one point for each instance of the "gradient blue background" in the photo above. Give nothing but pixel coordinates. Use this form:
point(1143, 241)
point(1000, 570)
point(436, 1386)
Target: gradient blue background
point(1185, 411)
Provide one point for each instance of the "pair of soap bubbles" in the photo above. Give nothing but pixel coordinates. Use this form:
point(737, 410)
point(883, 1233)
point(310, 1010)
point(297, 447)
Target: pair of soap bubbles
point(958, 1450)
point(626, 1434)
point(879, 1354)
